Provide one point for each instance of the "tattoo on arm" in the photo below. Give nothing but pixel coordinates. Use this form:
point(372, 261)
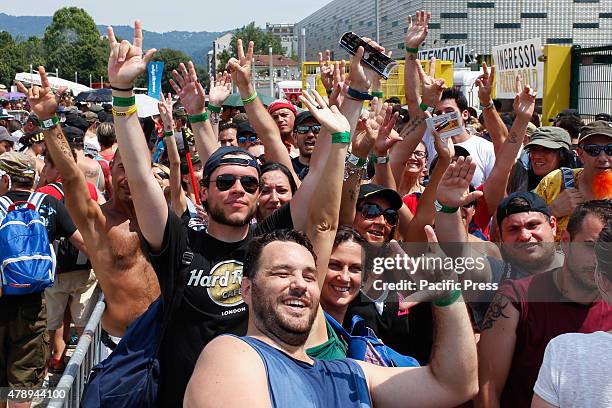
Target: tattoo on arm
point(412, 126)
point(496, 310)
point(62, 144)
point(512, 137)
point(353, 194)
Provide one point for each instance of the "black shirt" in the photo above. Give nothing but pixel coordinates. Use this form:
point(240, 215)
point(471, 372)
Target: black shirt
point(211, 303)
point(301, 170)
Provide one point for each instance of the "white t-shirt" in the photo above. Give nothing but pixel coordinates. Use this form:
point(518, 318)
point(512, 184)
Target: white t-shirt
point(577, 371)
point(480, 149)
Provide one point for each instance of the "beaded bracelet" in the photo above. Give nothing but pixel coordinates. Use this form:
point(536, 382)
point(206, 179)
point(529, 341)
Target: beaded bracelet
point(202, 117)
point(341, 137)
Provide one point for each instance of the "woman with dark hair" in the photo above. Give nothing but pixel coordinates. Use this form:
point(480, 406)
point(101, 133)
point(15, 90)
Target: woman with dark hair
point(277, 187)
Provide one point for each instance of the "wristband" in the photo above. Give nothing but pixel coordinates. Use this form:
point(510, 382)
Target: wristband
point(124, 102)
point(426, 108)
point(358, 95)
point(202, 117)
point(49, 123)
point(444, 209)
point(489, 106)
point(214, 108)
point(133, 109)
point(378, 94)
point(168, 134)
point(449, 299)
point(250, 99)
point(341, 137)
point(412, 50)
point(356, 161)
point(380, 160)
point(114, 88)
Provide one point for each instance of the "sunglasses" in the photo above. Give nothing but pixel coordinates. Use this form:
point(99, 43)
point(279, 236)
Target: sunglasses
point(594, 150)
point(371, 211)
point(244, 139)
point(303, 129)
point(224, 182)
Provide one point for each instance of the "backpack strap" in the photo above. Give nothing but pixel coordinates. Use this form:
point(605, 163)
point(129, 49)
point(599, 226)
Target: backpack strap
point(567, 175)
point(5, 203)
point(36, 199)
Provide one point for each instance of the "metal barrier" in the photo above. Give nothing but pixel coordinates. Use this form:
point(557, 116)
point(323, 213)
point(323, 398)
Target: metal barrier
point(591, 83)
point(85, 356)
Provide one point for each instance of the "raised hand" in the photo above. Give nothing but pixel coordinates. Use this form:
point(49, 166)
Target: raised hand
point(220, 89)
point(524, 102)
point(241, 68)
point(340, 84)
point(189, 89)
point(365, 137)
point(453, 190)
point(42, 100)
point(330, 118)
point(444, 148)
point(327, 70)
point(126, 62)
point(360, 75)
point(417, 32)
point(165, 110)
point(485, 84)
point(432, 88)
point(387, 136)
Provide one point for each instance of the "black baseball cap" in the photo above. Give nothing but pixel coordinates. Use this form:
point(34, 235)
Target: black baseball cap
point(565, 113)
point(245, 129)
point(373, 190)
point(73, 134)
point(301, 117)
point(218, 159)
point(532, 203)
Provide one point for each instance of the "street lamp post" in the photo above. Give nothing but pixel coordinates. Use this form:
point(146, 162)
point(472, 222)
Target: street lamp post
point(270, 68)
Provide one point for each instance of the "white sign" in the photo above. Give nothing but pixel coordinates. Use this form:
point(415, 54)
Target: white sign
point(455, 53)
point(519, 58)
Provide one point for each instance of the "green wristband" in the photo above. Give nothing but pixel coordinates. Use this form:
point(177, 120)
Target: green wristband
point(412, 50)
point(378, 94)
point(202, 117)
point(448, 300)
point(124, 102)
point(214, 108)
point(445, 209)
point(250, 99)
point(168, 134)
point(341, 137)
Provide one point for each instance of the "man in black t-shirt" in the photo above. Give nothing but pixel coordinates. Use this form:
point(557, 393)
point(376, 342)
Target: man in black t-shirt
point(305, 132)
point(24, 342)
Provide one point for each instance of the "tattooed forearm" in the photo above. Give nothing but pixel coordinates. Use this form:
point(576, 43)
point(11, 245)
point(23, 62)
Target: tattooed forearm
point(412, 126)
point(62, 144)
point(512, 137)
point(496, 311)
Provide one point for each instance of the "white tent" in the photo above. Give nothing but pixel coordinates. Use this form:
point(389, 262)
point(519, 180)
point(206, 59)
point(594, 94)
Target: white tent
point(56, 83)
point(147, 105)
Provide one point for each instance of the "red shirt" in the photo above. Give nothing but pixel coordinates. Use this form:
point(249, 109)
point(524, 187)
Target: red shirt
point(539, 322)
point(52, 191)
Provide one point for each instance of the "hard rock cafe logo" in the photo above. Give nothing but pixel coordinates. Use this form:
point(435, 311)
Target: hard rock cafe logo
point(222, 283)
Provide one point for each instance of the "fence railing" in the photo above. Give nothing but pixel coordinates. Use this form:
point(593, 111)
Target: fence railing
point(85, 356)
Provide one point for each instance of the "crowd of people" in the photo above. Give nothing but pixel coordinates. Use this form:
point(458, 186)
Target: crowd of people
point(257, 229)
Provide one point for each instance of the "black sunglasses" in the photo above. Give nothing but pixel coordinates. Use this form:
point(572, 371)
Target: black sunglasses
point(594, 149)
point(226, 181)
point(371, 211)
point(303, 129)
point(243, 139)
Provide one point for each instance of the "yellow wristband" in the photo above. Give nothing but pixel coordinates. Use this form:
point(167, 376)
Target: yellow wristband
point(133, 109)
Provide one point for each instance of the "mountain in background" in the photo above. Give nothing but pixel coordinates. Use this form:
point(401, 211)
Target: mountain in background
point(194, 44)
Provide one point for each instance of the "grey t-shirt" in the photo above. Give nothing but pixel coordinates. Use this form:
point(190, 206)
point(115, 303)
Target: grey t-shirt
point(576, 371)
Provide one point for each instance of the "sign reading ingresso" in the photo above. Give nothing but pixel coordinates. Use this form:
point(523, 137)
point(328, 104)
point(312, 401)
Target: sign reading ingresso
point(519, 58)
point(455, 53)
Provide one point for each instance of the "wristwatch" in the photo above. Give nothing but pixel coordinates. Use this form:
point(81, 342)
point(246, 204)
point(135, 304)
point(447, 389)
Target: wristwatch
point(49, 123)
point(444, 209)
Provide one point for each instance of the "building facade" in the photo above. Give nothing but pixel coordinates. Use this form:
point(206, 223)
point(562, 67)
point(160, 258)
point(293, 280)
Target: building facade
point(480, 24)
point(219, 45)
point(287, 36)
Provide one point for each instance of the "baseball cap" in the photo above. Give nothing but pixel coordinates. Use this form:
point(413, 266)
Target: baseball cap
point(281, 104)
point(565, 113)
point(73, 119)
point(5, 135)
point(604, 116)
point(373, 190)
point(91, 117)
point(17, 164)
point(551, 137)
point(96, 108)
point(301, 117)
point(245, 129)
point(599, 127)
point(531, 203)
point(34, 136)
point(73, 134)
point(218, 159)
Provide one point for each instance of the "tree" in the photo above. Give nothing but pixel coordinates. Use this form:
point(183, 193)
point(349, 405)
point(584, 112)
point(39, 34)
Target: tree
point(224, 57)
point(73, 43)
point(32, 51)
point(262, 39)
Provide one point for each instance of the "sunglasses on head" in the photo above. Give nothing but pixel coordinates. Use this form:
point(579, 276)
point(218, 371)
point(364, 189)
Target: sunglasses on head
point(303, 129)
point(594, 149)
point(371, 211)
point(224, 182)
point(244, 139)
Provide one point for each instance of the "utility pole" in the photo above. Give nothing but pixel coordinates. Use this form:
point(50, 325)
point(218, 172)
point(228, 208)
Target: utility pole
point(270, 69)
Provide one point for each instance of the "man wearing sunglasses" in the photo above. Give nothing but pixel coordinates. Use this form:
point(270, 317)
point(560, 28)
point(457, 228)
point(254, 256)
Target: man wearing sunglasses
point(246, 135)
point(305, 132)
point(593, 181)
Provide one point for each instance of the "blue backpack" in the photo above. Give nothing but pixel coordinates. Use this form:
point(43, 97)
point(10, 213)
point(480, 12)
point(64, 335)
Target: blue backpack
point(363, 345)
point(26, 255)
point(129, 377)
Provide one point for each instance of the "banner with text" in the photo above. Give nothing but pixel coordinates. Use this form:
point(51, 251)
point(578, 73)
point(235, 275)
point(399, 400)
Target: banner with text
point(524, 58)
point(155, 76)
point(455, 53)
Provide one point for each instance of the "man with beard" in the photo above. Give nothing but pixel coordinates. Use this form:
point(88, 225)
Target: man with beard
point(305, 130)
point(111, 231)
point(592, 182)
point(527, 313)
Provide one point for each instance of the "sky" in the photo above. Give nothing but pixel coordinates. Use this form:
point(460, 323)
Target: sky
point(182, 15)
